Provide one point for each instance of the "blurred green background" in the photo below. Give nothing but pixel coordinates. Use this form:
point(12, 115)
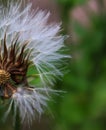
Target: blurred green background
point(83, 106)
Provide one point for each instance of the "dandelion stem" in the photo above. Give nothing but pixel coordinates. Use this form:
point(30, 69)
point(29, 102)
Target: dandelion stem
point(17, 125)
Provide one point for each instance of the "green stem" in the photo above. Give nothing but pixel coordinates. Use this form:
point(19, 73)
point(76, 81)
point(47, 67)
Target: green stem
point(17, 124)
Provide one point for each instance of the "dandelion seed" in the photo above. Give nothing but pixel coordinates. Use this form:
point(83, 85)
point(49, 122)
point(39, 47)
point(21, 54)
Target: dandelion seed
point(26, 40)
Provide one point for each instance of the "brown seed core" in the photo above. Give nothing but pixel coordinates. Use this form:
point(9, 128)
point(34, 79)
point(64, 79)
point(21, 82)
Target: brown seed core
point(4, 76)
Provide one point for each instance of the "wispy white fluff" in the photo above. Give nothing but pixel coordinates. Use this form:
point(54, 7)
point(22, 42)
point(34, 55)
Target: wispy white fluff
point(44, 38)
point(46, 55)
point(29, 102)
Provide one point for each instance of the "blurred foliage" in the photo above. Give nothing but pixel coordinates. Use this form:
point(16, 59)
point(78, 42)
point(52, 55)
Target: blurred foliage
point(70, 3)
point(83, 107)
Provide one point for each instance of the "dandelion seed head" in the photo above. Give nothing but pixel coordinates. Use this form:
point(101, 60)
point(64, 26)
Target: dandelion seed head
point(27, 40)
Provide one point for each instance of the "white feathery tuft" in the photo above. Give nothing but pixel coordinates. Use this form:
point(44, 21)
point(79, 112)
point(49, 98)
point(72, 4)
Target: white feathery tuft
point(46, 45)
point(44, 38)
point(29, 101)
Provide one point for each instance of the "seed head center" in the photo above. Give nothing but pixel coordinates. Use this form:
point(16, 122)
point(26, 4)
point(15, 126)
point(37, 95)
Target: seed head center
point(4, 76)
